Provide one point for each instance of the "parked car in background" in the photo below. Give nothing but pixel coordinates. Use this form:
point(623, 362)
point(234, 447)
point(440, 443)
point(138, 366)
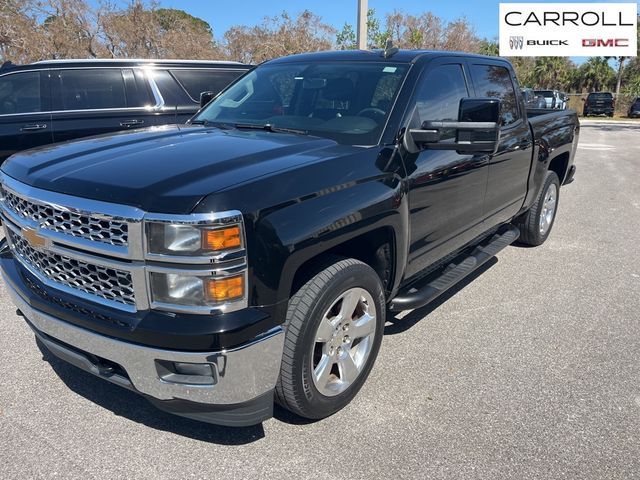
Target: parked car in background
point(58, 100)
point(599, 103)
point(553, 99)
point(562, 100)
point(634, 109)
point(531, 100)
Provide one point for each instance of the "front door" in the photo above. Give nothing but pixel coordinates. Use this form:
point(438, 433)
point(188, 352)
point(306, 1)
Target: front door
point(446, 189)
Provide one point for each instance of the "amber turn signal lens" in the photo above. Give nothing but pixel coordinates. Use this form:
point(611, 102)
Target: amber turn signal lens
point(221, 238)
point(222, 289)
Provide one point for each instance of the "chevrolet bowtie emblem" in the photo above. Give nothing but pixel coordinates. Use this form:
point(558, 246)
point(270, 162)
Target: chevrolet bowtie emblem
point(36, 240)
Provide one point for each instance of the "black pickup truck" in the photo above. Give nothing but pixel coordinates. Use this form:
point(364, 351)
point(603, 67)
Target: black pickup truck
point(253, 254)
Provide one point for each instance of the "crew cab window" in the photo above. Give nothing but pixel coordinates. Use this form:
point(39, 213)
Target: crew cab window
point(438, 97)
point(20, 93)
point(348, 102)
point(172, 93)
point(494, 81)
point(205, 80)
point(97, 88)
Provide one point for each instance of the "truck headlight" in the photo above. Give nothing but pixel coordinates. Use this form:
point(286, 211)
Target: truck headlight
point(191, 240)
point(198, 291)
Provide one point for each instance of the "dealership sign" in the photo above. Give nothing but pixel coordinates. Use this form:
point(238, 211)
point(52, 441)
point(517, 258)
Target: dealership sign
point(568, 29)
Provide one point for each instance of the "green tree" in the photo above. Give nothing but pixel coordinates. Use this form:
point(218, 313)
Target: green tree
point(346, 39)
point(596, 74)
point(169, 17)
point(553, 72)
point(488, 47)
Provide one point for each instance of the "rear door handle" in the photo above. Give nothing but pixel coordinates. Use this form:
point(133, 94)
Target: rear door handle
point(131, 123)
point(30, 127)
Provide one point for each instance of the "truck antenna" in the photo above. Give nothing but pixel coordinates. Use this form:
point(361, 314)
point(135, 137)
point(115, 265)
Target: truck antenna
point(389, 50)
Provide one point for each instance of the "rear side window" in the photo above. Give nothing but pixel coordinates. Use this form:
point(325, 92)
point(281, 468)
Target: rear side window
point(439, 95)
point(90, 89)
point(20, 93)
point(207, 80)
point(493, 81)
point(172, 93)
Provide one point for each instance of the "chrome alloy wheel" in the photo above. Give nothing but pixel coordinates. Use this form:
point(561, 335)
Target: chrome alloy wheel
point(548, 208)
point(343, 341)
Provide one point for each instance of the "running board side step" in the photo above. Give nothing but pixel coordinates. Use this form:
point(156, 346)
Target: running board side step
point(454, 272)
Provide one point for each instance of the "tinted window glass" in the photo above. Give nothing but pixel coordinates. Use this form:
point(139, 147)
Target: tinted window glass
point(197, 81)
point(439, 95)
point(172, 93)
point(138, 94)
point(492, 81)
point(91, 89)
point(342, 101)
point(20, 93)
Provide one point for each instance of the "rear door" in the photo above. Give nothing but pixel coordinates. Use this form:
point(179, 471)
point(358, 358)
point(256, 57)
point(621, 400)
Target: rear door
point(25, 117)
point(93, 101)
point(509, 166)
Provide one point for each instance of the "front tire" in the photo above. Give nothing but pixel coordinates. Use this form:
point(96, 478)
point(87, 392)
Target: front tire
point(535, 225)
point(334, 328)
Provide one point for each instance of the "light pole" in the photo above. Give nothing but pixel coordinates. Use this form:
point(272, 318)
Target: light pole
point(362, 24)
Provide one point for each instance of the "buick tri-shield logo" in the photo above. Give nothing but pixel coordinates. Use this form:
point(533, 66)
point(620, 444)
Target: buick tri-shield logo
point(516, 43)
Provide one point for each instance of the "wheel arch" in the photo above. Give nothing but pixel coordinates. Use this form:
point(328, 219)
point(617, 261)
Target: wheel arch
point(376, 248)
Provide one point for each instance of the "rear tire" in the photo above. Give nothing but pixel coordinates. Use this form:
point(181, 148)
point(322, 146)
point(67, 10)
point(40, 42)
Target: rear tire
point(536, 224)
point(334, 328)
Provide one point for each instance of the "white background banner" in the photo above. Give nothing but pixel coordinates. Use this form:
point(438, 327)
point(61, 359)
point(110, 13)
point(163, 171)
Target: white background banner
point(568, 29)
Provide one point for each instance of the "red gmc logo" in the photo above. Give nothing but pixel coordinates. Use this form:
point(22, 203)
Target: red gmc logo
point(601, 42)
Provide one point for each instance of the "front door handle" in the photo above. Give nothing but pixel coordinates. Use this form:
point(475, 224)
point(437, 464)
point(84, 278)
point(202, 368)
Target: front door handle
point(131, 123)
point(522, 145)
point(30, 127)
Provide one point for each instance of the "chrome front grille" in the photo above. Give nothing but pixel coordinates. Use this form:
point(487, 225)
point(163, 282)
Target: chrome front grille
point(90, 227)
point(105, 282)
point(95, 250)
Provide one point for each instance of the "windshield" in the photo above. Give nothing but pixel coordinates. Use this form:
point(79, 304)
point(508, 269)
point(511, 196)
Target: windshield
point(346, 102)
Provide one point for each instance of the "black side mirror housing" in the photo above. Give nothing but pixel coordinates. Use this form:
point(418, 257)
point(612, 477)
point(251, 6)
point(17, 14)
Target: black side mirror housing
point(477, 129)
point(206, 97)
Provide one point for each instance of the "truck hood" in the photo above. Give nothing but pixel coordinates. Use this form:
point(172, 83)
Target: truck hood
point(166, 169)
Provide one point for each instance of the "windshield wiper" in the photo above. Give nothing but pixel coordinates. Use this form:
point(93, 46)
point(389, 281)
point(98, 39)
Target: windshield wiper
point(209, 123)
point(270, 128)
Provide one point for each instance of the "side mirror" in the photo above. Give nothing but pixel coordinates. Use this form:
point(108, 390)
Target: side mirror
point(476, 131)
point(206, 97)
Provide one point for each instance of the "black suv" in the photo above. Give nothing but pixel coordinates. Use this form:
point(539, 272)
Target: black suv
point(634, 109)
point(599, 103)
point(58, 100)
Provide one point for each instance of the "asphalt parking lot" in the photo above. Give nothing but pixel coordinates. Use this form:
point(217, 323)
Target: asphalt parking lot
point(531, 369)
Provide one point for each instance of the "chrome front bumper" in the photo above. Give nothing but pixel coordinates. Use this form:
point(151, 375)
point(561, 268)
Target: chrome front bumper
point(239, 375)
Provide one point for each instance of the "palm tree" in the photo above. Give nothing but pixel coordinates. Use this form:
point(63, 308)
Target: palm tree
point(597, 74)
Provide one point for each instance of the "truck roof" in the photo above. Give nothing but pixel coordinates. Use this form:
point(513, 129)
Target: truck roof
point(401, 56)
